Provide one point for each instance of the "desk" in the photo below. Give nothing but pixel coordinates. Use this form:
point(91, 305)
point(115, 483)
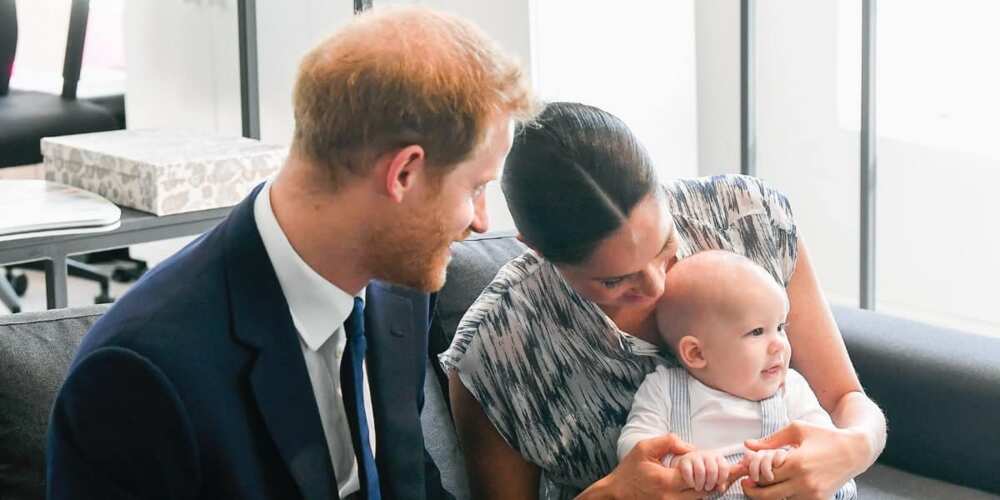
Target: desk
point(136, 227)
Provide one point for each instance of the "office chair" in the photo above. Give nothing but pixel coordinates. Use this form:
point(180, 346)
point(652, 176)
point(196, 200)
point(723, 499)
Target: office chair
point(27, 116)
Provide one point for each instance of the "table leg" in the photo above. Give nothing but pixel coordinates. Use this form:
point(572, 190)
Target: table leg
point(55, 282)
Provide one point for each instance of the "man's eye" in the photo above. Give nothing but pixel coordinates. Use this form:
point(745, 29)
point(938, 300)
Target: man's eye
point(478, 191)
point(756, 332)
point(612, 283)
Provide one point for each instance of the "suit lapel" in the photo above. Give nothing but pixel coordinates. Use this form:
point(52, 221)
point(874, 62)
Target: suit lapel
point(278, 377)
point(396, 323)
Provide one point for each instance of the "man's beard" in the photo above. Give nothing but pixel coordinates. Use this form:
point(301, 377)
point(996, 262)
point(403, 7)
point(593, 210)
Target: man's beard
point(413, 253)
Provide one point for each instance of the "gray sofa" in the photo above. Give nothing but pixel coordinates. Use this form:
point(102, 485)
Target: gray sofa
point(940, 389)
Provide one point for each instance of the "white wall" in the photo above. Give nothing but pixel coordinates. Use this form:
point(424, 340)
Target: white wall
point(801, 147)
point(183, 58)
point(717, 35)
point(635, 59)
point(286, 30)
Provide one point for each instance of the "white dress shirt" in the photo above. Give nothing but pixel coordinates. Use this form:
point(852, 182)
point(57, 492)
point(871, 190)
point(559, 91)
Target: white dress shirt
point(719, 421)
point(318, 310)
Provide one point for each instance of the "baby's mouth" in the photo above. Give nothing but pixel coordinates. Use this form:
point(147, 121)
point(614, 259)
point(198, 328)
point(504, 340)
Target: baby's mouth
point(774, 369)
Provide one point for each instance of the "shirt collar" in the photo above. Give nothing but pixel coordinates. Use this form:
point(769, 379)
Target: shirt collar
point(318, 307)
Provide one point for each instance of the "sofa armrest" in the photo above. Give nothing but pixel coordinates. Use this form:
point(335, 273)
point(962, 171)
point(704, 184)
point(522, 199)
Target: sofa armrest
point(940, 390)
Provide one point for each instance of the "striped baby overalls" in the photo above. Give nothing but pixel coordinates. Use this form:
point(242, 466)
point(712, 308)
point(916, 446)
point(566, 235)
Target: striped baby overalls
point(773, 417)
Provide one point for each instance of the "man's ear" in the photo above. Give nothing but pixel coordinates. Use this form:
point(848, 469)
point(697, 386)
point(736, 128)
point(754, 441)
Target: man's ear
point(405, 167)
point(690, 352)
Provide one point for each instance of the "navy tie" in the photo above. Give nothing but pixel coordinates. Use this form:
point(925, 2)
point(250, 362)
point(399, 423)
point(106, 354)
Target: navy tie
point(354, 401)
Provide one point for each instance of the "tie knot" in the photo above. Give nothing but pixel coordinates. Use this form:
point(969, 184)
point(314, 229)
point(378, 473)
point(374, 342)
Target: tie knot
point(355, 324)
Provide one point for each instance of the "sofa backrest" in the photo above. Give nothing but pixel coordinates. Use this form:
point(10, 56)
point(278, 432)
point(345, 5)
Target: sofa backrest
point(35, 352)
point(939, 388)
point(940, 391)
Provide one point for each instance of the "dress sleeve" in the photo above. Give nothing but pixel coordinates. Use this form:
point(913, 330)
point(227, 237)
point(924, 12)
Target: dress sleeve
point(487, 365)
point(739, 213)
point(650, 414)
point(777, 211)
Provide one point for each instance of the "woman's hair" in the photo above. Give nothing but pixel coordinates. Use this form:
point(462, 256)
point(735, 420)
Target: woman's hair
point(571, 179)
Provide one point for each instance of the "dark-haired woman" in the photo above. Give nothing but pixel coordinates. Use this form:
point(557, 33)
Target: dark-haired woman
point(544, 365)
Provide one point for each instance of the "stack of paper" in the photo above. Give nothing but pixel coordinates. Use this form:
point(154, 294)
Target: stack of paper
point(30, 208)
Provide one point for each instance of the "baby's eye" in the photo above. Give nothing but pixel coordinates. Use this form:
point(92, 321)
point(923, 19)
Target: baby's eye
point(782, 327)
point(756, 332)
point(612, 283)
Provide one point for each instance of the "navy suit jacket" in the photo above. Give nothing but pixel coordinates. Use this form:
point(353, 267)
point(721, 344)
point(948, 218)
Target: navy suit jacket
point(193, 386)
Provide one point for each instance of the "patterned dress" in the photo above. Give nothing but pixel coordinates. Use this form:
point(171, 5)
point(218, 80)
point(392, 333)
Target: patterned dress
point(555, 375)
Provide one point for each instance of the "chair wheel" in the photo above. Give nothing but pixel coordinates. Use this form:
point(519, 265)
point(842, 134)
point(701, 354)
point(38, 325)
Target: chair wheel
point(103, 298)
point(19, 282)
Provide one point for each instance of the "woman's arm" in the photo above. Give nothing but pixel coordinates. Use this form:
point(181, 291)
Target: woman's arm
point(819, 354)
point(498, 471)
point(825, 458)
point(495, 469)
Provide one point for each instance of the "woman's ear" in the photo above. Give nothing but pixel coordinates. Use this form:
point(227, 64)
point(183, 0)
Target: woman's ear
point(690, 352)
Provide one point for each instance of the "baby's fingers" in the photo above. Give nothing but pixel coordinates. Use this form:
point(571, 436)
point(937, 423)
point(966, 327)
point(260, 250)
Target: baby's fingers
point(765, 467)
point(753, 469)
point(687, 472)
point(698, 466)
point(724, 469)
point(711, 473)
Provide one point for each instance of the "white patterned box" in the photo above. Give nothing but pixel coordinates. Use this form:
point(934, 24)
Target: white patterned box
point(160, 171)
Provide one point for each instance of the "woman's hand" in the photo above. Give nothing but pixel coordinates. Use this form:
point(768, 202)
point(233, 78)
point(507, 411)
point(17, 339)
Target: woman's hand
point(642, 475)
point(821, 461)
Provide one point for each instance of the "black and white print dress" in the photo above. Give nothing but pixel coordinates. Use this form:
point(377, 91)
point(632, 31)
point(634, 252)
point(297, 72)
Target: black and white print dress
point(553, 372)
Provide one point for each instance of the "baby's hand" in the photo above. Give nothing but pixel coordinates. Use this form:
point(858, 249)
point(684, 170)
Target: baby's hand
point(761, 464)
point(703, 470)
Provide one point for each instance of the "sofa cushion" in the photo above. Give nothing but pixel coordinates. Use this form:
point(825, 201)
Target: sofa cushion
point(882, 482)
point(35, 352)
point(939, 389)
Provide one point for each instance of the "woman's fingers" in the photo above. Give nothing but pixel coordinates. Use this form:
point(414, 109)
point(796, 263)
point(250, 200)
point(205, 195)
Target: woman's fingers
point(791, 435)
point(668, 444)
point(779, 456)
point(776, 491)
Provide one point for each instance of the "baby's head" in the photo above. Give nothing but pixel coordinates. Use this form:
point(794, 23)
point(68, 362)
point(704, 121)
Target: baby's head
point(724, 317)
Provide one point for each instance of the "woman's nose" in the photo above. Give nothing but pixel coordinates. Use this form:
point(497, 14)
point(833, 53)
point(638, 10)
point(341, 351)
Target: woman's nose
point(653, 280)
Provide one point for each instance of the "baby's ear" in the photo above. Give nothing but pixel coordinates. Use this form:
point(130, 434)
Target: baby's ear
point(690, 353)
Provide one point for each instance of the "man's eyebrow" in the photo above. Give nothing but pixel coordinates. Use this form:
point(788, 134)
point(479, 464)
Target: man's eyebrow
point(670, 237)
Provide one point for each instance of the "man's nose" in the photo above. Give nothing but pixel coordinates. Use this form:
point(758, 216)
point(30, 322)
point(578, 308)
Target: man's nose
point(481, 219)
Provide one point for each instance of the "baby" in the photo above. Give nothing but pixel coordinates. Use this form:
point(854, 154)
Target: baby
point(724, 317)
